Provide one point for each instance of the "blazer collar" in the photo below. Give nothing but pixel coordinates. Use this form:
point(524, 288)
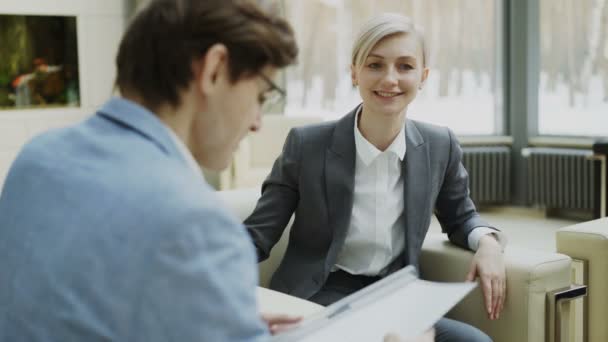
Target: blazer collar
point(339, 182)
point(416, 172)
point(343, 142)
point(413, 138)
point(132, 116)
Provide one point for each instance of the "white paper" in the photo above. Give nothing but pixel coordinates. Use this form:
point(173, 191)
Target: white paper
point(408, 310)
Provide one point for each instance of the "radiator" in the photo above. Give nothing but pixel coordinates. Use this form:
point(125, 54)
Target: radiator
point(489, 171)
point(562, 178)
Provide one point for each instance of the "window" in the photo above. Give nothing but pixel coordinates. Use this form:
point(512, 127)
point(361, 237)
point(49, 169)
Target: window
point(464, 89)
point(573, 89)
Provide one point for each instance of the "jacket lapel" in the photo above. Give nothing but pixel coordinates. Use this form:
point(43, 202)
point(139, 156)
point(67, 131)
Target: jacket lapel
point(416, 179)
point(339, 181)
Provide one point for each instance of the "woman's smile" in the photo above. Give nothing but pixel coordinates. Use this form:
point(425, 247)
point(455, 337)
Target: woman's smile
point(387, 94)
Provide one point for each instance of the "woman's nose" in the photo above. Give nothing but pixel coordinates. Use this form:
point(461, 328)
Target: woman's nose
point(391, 76)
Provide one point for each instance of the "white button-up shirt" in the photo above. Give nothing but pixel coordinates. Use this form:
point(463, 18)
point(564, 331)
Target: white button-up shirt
point(375, 236)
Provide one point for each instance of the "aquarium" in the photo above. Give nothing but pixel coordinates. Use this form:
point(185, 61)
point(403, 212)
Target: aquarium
point(38, 62)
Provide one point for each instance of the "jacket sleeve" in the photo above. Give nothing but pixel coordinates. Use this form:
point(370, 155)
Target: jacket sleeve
point(280, 196)
point(200, 284)
point(454, 208)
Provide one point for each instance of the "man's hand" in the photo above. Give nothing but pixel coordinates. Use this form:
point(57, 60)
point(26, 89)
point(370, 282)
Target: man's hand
point(429, 336)
point(280, 322)
point(489, 266)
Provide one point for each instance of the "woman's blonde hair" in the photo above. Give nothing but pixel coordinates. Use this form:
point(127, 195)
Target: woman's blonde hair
point(382, 26)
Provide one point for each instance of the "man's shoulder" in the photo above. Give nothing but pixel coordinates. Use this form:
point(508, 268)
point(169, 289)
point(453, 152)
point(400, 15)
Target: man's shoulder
point(184, 195)
point(124, 173)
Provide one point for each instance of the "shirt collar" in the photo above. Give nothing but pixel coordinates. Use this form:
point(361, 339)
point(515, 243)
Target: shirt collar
point(184, 151)
point(368, 152)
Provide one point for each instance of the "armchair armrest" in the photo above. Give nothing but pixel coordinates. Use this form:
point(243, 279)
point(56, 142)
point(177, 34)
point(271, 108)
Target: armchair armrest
point(588, 242)
point(530, 276)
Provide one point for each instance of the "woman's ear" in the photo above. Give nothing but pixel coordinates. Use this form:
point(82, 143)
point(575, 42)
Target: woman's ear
point(423, 77)
point(212, 68)
point(353, 75)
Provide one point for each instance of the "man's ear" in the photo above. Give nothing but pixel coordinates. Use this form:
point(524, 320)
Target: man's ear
point(212, 68)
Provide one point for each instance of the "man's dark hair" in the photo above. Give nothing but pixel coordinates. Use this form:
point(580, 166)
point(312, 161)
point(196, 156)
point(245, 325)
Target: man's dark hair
point(156, 53)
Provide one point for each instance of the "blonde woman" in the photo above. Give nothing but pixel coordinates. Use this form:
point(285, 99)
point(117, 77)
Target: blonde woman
point(363, 188)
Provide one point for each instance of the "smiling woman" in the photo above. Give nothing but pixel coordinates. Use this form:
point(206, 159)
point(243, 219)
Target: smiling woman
point(388, 69)
point(383, 176)
point(464, 57)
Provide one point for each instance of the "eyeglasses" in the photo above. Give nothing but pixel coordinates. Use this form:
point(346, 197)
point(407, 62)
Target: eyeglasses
point(272, 96)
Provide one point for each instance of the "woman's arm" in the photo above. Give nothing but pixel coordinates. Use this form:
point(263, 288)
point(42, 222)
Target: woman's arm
point(279, 199)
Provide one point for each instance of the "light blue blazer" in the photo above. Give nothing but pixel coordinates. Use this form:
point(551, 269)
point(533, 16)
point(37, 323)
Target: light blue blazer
point(106, 234)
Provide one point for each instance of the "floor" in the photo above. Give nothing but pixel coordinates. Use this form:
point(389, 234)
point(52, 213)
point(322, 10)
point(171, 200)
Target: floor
point(524, 227)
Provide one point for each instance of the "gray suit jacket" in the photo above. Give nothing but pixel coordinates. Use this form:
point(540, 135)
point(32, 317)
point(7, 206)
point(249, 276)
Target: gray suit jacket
point(314, 177)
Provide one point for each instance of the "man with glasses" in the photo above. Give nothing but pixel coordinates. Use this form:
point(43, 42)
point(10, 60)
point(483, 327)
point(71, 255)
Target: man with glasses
point(273, 96)
point(108, 230)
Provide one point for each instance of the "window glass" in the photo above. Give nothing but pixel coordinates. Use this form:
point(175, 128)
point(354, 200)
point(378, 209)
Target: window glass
point(573, 89)
point(465, 83)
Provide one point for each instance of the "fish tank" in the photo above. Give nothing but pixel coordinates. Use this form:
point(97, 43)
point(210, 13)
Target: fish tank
point(38, 62)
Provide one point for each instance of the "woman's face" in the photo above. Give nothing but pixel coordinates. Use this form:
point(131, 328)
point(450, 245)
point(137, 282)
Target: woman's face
point(391, 75)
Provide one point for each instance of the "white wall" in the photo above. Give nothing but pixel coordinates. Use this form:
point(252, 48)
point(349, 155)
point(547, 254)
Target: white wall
point(100, 24)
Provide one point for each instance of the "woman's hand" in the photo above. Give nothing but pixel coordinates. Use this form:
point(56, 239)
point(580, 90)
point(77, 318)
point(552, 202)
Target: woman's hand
point(489, 266)
point(280, 322)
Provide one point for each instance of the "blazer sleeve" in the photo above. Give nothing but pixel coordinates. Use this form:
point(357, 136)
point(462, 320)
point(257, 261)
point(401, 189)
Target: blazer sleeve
point(280, 196)
point(454, 208)
point(200, 284)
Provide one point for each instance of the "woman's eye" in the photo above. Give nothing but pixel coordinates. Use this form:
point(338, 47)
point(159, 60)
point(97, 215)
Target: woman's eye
point(261, 98)
point(405, 67)
point(374, 66)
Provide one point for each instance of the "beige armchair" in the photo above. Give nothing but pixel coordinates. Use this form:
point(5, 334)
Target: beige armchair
point(588, 243)
point(531, 275)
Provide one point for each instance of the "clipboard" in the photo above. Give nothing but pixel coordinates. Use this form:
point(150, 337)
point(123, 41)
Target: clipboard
point(400, 303)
